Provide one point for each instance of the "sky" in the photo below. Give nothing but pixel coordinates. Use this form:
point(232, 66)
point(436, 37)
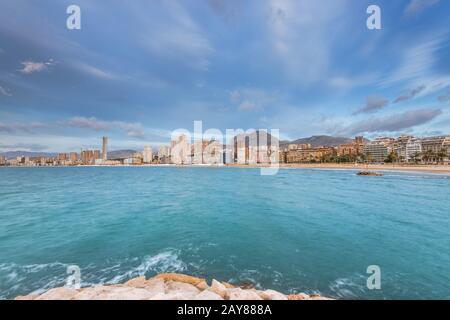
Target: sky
point(137, 70)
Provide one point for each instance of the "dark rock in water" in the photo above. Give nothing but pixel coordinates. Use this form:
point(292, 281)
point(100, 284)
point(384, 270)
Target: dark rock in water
point(369, 174)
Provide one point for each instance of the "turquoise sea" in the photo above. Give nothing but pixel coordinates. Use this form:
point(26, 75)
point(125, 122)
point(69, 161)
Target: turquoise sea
point(298, 231)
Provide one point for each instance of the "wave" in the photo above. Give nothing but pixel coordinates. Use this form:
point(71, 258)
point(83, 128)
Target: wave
point(348, 288)
point(16, 279)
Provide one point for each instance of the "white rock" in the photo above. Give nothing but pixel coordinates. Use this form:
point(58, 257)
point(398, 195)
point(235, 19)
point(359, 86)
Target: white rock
point(180, 287)
point(58, 294)
point(219, 288)
point(239, 294)
point(91, 293)
point(173, 296)
point(272, 295)
point(207, 295)
point(125, 294)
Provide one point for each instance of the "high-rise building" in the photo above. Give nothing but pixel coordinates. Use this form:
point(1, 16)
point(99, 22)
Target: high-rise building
point(376, 152)
point(73, 156)
point(88, 157)
point(181, 150)
point(147, 154)
point(105, 149)
point(2, 160)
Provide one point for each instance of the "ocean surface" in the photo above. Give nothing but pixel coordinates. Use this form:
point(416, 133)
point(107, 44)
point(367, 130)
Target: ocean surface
point(299, 231)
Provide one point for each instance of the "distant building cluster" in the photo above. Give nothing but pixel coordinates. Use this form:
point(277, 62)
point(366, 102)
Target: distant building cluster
point(404, 149)
point(259, 148)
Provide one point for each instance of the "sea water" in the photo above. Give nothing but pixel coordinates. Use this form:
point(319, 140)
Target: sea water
point(313, 231)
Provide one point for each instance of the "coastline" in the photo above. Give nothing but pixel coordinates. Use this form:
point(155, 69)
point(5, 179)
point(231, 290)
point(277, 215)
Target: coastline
point(167, 286)
point(432, 169)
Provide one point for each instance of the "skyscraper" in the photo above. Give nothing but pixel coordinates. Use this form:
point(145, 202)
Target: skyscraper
point(147, 154)
point(105, 149)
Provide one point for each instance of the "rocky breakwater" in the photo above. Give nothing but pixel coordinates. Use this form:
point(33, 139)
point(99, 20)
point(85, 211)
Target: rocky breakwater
point(167, 286)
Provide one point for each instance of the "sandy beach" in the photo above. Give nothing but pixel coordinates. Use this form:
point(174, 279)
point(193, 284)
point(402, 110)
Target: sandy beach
point(438, 169)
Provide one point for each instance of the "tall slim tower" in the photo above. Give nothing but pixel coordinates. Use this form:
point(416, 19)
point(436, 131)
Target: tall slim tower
point(105, 149)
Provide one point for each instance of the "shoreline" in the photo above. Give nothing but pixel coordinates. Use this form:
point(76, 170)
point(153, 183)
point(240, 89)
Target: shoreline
point(432, 169)
point(167, 286)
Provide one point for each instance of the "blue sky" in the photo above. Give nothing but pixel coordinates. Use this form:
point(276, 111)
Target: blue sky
point(139, 69)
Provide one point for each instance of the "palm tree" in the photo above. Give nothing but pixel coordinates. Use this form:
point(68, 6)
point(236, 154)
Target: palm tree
point(428, 156)
point(416, 157)
point(441, 155)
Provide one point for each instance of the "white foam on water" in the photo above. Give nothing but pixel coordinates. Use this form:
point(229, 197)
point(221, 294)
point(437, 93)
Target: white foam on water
point(166, 261)
point(348, 288)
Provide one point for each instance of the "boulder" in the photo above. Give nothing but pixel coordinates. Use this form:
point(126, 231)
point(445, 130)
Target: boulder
point(179, 278)
point(219, 288)
point(202, 285)
point(91, 293)
point(208, 295)
point(181, 287)
point(173, 296)
point(138, 282)
point(272, 295)
point(240, 294)
point(58, 294)
point(300, 296)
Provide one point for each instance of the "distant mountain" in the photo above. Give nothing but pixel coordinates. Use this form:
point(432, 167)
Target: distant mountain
point(15, 154)
point(121, 154)
point(326, 141)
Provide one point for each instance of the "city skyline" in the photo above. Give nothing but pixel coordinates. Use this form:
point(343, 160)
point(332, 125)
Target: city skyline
point(258, 64)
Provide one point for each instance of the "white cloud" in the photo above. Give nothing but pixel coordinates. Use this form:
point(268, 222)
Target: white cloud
point(96, 72)
point(393, 123)
point(416, 6)
point(32, 66)
point(135, 130)
point(417, 62)
point(4, 92)
point(174, 35)
point(20, 127)
point(300, 34)
point(251, 99)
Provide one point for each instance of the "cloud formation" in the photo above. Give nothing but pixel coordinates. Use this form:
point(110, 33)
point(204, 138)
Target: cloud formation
point(5, 92)
point(410, 94)
point(20, 127)
point(251, 99)
point(134, 130)
point(393, 123)
point(30, 67)
point(416, 6)
point(445, 97)
point(374, 103)
point(176, 36)
point(23, 147)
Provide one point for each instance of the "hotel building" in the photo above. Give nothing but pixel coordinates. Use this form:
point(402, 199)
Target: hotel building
point(376, 152)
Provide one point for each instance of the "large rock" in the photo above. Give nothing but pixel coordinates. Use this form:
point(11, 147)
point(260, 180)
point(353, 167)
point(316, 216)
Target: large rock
point(219, 288)
point(58, 294)
point(272, 295)
point(299, 296)
point(202, 285)
point(240, 294)
point(125, 293)
point(179, 278)
point(180, 287)
point(207, 295)
point(174, 296)
point(91, 293)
